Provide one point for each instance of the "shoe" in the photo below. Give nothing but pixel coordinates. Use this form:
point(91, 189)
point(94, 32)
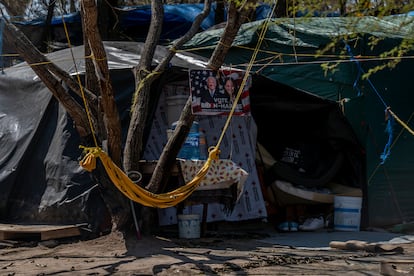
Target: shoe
point(293, 226)
point(305, 223)
point(312, 224)
point(284, 226)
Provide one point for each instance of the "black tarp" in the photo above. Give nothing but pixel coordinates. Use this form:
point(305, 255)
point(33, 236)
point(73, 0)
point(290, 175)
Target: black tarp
point(40, 178)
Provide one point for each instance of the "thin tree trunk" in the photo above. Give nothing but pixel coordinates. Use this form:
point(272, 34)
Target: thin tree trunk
point(47, 30)
point(110, 110)
point(237, 15)
point(143, 81)
point(107, 113)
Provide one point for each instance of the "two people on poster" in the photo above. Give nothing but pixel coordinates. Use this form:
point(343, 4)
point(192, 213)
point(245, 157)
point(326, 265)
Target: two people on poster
point(211, 98)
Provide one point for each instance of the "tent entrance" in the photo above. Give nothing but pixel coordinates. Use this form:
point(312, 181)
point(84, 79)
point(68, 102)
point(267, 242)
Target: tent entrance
point(310, 141)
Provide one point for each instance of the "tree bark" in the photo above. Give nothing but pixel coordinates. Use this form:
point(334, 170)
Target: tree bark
point(47, 30)
point(168, 157)
point(143, 80)
point(109, 125)
point(237, 15)
point(110, 111)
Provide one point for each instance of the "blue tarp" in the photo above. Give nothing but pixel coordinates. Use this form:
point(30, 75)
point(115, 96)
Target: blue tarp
point(135, 21)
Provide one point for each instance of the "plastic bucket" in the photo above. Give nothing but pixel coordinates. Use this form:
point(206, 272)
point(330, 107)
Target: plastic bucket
point(175, 105)
point(189, 226)
point(347, 213)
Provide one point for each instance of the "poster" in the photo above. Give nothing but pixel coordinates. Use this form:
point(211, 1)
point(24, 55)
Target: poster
point(215, 93)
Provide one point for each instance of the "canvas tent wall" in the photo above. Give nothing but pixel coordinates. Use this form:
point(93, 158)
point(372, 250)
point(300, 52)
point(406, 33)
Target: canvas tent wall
point(288, 55)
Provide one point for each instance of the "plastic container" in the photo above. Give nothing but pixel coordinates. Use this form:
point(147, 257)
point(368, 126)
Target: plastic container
point(347, 213)
point(189, 226)
point(191, 148)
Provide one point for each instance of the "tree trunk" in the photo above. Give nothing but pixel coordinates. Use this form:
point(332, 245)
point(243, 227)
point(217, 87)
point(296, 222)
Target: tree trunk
point(237, 15)
point(47, 30)
point(110, 111)
point(115, 201)
point(144, 79)
point(281, 9)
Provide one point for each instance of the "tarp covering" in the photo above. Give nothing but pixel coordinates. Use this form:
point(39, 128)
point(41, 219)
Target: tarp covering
point(40, 178)
point(134, 21)
point(288, 55)
point(288, 52)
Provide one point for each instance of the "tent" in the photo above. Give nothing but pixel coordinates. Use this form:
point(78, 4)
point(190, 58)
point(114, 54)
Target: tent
point(290, 55)
point(41, 181)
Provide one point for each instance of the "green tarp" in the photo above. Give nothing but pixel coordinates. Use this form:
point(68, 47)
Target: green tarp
point(288, 55)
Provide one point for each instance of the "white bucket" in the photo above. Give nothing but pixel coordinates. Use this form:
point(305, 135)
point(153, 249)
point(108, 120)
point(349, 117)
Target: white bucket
point(189, 226)
point(175, 105)
point(347, 213)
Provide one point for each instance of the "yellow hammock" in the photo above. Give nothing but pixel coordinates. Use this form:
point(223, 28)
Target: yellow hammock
point(139, 194)
point(136, 192)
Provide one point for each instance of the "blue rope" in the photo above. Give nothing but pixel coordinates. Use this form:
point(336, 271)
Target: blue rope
point(389, 130)
point(390, 120)
point(360, 70)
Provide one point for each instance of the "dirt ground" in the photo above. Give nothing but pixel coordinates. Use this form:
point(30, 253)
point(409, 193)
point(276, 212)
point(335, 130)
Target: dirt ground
point(226, 251)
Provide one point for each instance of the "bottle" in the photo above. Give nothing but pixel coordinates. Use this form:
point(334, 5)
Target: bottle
point(193, 144)
point(191, 147)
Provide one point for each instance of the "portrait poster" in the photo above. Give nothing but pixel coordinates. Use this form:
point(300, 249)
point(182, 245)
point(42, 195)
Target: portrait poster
point(215, 93)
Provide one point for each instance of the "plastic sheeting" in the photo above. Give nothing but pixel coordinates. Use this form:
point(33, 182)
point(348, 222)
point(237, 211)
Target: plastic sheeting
point(40, 179)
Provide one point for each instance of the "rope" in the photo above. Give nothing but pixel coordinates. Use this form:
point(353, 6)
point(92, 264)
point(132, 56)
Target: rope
point(275, 55)
point(389, 129)
point(136, 192)
point(390, 116)
point(85, 103)
point(246, 75)
point(400, 121)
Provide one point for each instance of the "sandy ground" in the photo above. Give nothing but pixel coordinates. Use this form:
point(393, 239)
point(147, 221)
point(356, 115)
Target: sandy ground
point(226, 251)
